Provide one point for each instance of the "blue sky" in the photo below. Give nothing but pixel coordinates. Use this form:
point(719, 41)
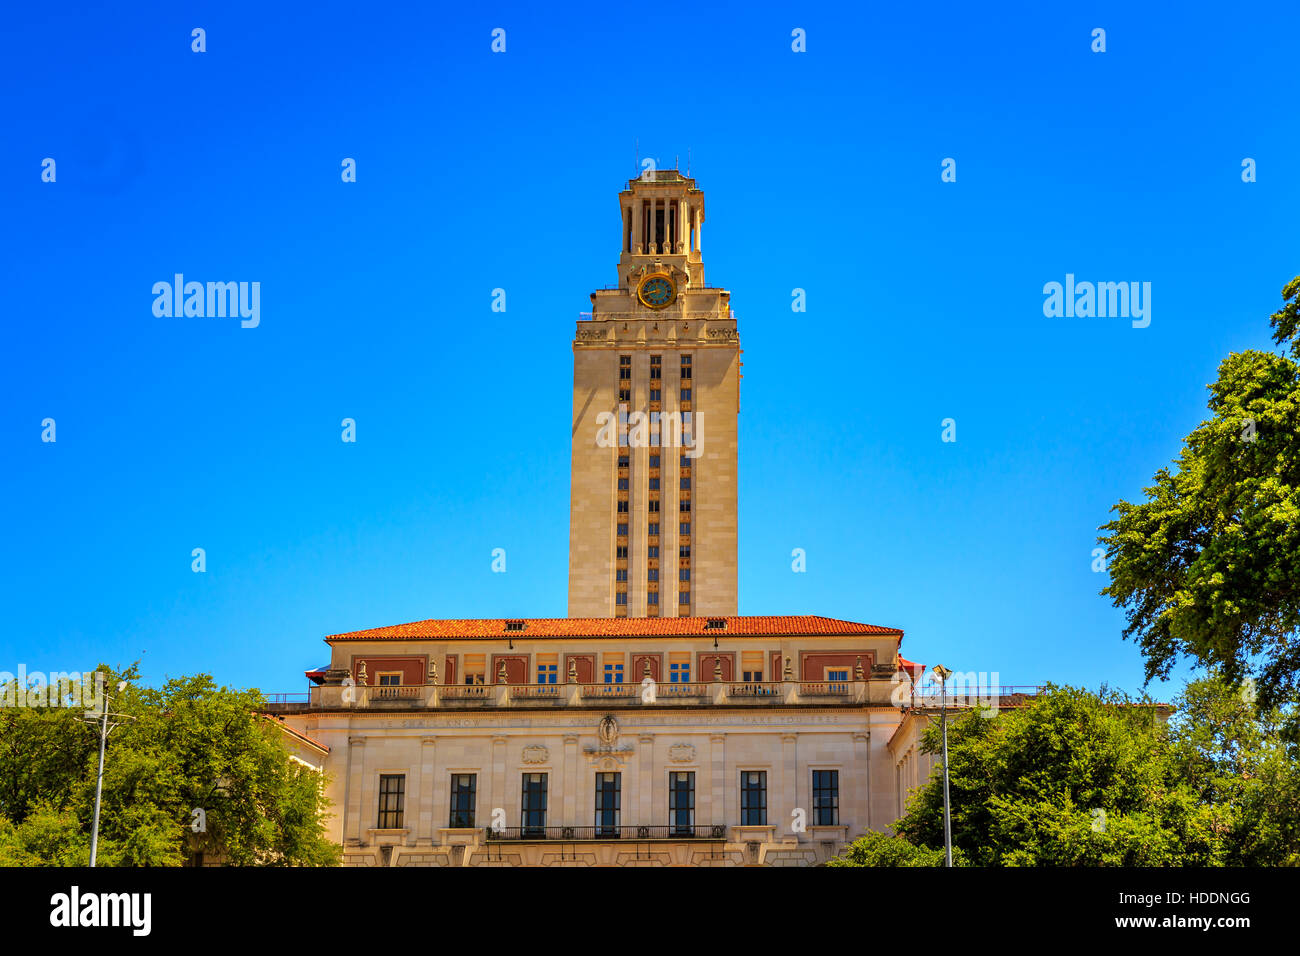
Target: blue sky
point(478, 171)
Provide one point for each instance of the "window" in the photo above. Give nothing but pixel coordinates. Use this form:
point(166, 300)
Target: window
point(654, 484)
point(622, 528)
point(534, 804)
point(546, 673)
point(751, 667)
point(683, 574)
point(475, 668)
point(622, 509)
point(656, 395)
point(608, 787)
point(683, 597)
point(652, 597)
point(389, 678)
point(656, 366)
point(826, 798)
point(753, 798)
point(613, 673)
point(686, 484)
point(623, 461)
point(653, 550)
point(686, 366)
point(624, 394)
point(681, 802)
point(463, 786)
point(684, 507)
point(685, 462)
point(838, 675)
point(622, 484)
point(684, 551)
point(620, 552)
point(620, 574)
point(474, 679)
point(514, 625)
point(619, 598)
point(686, 395)
point(679, 672)
point(684, 529)
point(624, 367)
point(654, 462)
point(652, 529)
point(652, 574)
point(653, 506)
point(392, 794)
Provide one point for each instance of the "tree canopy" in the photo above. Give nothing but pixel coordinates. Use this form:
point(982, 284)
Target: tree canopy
point(1075, 778)
point(1207, 567)
point(187, 746)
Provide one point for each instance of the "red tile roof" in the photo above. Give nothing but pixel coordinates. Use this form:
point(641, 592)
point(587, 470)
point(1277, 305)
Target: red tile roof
point(811, 625)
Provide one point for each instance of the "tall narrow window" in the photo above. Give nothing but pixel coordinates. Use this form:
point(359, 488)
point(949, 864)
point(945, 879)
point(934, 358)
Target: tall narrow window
point(753, 798)
point(681, 802)
point(463, 797)
point(826, 798)
point(608, 786)
point(534, 805)
point(392, 796)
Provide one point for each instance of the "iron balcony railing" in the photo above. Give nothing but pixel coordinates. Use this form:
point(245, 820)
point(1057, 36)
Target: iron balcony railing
point(636, 832)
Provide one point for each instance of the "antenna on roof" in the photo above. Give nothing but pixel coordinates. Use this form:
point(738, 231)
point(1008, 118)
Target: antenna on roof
point(638, 158)
point(688, 162)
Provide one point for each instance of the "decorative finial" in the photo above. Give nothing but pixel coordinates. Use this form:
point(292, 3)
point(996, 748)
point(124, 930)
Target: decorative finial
point(362, 677)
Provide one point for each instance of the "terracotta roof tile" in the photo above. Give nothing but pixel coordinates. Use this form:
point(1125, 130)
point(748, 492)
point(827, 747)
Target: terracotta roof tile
point(468, 629)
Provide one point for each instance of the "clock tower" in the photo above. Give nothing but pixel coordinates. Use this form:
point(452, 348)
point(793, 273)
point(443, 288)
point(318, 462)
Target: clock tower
point(656, 395)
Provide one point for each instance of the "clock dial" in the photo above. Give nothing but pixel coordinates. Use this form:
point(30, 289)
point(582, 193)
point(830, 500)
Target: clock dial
point(657, 292)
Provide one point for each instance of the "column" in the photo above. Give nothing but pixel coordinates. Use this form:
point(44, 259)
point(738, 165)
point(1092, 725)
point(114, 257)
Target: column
point(683, 228)
point(789, 785)
point(636, 227)
point(646, 782)
point(569, 769)
point(353, 787)
point(428, 799)
point(718, 810)
point(862, 763)
point(499, 780)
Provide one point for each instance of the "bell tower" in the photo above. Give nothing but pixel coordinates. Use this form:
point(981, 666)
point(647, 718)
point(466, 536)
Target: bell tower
point(656, 395)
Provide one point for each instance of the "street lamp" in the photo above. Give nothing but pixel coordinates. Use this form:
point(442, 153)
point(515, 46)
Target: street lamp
point(942, 674)
point(104, 728)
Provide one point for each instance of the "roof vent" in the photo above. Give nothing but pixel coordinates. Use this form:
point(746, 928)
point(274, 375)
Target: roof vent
point(716, 623)
point(514, 625)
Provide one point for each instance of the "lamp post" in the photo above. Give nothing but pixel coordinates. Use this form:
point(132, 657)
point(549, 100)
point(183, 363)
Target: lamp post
point(104, 727)
point(942, 674)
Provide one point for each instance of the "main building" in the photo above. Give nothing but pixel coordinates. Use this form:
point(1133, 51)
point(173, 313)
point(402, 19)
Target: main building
point(653, 726)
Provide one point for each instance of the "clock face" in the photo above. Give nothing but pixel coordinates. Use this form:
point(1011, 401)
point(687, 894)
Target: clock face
point(656, 292)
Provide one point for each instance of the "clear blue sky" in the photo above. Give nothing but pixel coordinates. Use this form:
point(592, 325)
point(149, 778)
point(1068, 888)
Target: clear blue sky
point(479, 170)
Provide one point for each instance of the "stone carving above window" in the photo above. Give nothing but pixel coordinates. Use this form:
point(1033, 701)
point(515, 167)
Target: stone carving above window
point(536, 753)
point(681, 753)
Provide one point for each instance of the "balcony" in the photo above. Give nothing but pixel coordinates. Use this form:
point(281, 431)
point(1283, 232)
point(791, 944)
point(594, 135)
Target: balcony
point(714, 832)
point(591, 695)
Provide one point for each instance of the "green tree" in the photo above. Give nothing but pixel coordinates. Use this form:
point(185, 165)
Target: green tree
point(1241, 761)
point(1070, 779)
point(187, 746)
point(1208, 565)
point(879, 849)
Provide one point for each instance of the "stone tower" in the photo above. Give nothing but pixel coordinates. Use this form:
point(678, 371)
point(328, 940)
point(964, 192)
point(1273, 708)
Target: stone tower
point(656, 395)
